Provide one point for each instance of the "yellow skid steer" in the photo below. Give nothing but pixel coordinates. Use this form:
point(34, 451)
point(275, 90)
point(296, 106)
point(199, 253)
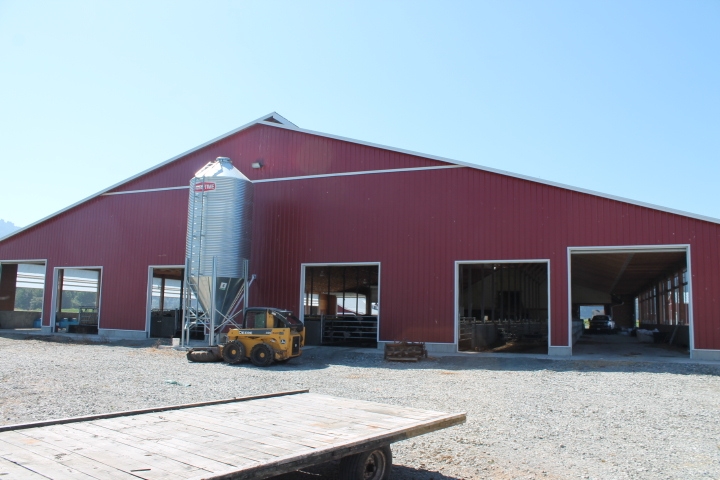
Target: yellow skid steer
point(267, 335)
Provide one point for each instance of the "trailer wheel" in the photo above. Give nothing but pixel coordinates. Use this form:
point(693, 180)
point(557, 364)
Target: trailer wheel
point(233, 352)
point(371, 465)
point(262, 355)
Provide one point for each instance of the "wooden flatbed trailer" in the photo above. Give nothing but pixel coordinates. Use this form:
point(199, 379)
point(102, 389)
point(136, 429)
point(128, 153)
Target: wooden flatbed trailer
point(241, 438)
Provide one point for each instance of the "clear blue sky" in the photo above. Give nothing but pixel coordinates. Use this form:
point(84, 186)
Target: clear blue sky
point(621, 97)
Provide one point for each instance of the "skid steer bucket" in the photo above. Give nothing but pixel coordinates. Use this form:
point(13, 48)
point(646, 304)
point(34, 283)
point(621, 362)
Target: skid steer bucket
point(204, 354)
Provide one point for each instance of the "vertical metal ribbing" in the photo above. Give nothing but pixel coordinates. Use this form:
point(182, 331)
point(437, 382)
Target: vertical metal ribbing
point(213, 310)
point(482, 292)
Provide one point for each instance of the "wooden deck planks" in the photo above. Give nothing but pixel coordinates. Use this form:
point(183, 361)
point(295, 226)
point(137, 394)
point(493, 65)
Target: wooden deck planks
point(301, 425)
point(111, 454)
point(348, 408)
point(256, 439)
point(196, 435)
point(334, 428)
point(327, 416)
point(259, 429)
point(43, 465)
point(10, 470)
point(154, 447)
point(202, 441)
point(301, 429)
point(361, 408)
point(187, 434)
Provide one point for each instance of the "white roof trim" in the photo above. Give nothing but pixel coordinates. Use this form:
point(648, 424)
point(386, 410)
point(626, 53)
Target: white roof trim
point(286, 124)
point(357, 172)
point(274, 115)
point(279, 119)
point(147, 190)
point(506, 173)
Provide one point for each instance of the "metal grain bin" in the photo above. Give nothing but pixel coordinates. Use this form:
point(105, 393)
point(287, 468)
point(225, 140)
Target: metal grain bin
point(219, 232)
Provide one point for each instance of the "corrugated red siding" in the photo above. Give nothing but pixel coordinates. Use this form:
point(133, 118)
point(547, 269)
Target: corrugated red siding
point(285, 153)
point(415, 224)
point(123, 234)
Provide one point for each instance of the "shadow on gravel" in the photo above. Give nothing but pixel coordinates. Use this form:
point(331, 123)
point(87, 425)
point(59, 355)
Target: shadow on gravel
point(87, 340)
point(321, 357)
point(329, 471)
point(294, 365)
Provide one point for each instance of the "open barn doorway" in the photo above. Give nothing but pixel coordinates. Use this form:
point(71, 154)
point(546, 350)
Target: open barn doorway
point(341, 304)
point(630, 300)
point(503, 306)
point(77, 299)
point(165, 310)
point(22, 292)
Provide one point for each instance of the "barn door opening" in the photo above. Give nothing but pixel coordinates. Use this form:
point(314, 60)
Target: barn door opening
point(503, 307)
point(165, 306)
point(341, 304)
point(77, 299)
point(639, 299)
point(22, 291)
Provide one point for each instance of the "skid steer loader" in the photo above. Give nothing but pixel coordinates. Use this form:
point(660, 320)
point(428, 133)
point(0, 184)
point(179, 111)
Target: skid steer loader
point(267, 335)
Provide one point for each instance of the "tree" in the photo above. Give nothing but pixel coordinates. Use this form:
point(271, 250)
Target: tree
point(28, 299)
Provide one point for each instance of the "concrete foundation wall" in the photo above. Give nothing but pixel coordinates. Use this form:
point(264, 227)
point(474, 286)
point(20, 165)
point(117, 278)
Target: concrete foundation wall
point(560, 351)
point(18, 319)
point(705, 355)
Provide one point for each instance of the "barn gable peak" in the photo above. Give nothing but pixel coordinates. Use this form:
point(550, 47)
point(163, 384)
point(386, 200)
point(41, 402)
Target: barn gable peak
point(277, 119)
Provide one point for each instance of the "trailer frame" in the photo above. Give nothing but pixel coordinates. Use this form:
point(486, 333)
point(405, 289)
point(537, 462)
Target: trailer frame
point(303, 430)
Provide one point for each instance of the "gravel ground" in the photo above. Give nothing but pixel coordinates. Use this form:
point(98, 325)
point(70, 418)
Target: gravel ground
point(527, 418)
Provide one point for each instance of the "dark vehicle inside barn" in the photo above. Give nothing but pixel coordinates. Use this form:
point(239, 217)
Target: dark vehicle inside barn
point(602, 323)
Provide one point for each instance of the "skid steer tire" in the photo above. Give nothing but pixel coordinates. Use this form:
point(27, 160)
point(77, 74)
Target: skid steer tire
point(202, 356)
point(371, 465)
point(262, 355)
point(233, 352)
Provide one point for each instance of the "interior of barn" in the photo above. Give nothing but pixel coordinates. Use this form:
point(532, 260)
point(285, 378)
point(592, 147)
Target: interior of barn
point(22, 292)
point(341, 304)
point(645, 293)
point(503, 307)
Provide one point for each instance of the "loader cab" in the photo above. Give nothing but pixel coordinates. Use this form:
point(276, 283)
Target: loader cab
point(262, 317)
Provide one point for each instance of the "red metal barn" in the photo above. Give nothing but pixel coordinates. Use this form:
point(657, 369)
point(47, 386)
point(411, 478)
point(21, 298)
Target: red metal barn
point(452, 248)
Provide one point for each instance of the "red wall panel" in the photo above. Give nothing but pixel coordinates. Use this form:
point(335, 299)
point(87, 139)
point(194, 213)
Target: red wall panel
point(123, 234)
point(285, 153)
point(419, 223)
point(415, 224)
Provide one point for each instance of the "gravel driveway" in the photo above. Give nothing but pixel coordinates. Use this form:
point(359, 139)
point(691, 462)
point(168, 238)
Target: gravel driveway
point(527, 418)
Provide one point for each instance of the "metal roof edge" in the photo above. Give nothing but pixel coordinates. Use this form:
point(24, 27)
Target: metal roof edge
point(261, 120)
point(506, 173)
point(286, 124)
